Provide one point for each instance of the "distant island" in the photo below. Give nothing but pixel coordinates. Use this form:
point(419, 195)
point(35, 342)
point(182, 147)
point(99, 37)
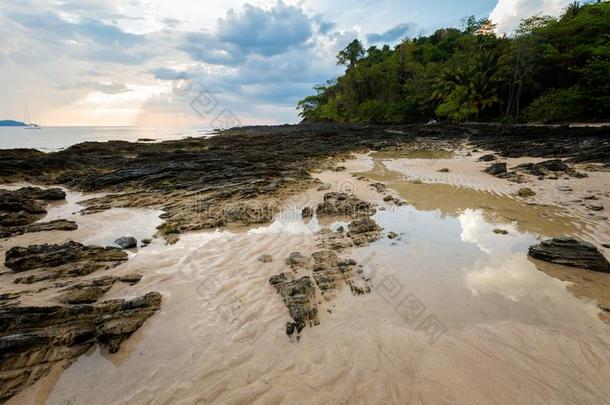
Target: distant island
point(12, 123)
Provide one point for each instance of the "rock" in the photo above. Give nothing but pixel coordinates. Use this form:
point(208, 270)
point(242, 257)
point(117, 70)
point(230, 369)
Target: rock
point(526, 192)
point(265, 259)
point(87, 292)
point(56, 225)
point(606, 245)
point(300, 298)
point(364, 231)
point(444, 170)
point(130, 279)
point(592, 207)
point(145, 242)
point(296, 259)
point(340, 169)
point(379, 187)
point(571, 252)
point(26, 205)
point(487, 158)
point(499, 231)
point(554, 165)
point(33, 340)
point(307, 212)
point(127, 242)
point(392, 235)
point(497, 169)
point(324, 187)
point(388, 198)
point(60, 261)
point(337, 204)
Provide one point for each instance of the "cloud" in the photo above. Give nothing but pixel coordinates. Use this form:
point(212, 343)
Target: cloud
point(508, 13)
point(253, 31)
point(392, 35)
point(106, 88)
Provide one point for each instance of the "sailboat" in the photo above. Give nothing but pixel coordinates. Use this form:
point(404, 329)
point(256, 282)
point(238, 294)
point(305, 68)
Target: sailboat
point(26, 120)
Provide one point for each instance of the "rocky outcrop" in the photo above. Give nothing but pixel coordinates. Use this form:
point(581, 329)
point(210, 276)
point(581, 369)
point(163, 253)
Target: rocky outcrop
point(61, 261)
point(299, 296)
point(344, 204)
point(328, 272)
point(363, 231)
point(33, 340)
point(26, 205)
point(571, 252)
point(56, 225)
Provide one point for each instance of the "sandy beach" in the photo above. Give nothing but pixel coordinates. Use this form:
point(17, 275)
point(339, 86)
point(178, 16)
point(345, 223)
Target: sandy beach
point(453, 305)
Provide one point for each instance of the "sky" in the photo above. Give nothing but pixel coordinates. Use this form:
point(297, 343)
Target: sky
point(201, 63)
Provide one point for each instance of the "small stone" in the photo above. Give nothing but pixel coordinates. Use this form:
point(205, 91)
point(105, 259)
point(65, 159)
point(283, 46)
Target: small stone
point(392, 235)
point(499, 231)
point(444, 170)
point(324, 187)
point(388, 198)
point(127, 242)
point(595, 207)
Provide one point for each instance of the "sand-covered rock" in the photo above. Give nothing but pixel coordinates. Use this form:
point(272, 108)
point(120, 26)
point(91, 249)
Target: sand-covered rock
point(60, 261)
point(33, 340)
point(571, 252)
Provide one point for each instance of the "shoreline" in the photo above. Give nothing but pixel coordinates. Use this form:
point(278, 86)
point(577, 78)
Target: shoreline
point(492, 292)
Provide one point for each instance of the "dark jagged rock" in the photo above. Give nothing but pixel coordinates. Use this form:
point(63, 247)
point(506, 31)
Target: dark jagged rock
point(33, 340)
point(26, 205)
point(497, 169)
point(571, 252)
point(300, 298)
point(127, 242)
point(344, 204)
point(57, 261)
point(56, 225)
point(488, 158)
point(364, 231)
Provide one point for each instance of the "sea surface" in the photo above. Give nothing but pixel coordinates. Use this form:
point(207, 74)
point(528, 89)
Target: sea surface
point(51, 139)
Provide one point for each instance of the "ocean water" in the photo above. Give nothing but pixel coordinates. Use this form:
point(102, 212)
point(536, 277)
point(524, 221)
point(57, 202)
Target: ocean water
point(51, 139)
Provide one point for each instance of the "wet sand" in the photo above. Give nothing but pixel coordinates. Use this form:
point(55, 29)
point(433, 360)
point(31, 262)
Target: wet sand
point(458, 314)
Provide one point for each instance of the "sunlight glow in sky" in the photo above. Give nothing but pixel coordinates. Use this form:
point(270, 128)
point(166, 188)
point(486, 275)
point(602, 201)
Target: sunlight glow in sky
point(115, 62)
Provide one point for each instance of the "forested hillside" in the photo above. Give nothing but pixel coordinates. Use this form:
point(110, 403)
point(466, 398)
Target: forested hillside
point(550, 70)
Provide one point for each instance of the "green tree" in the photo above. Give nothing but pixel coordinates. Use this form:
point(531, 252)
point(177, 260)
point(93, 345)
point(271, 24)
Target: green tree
point(351, 54)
